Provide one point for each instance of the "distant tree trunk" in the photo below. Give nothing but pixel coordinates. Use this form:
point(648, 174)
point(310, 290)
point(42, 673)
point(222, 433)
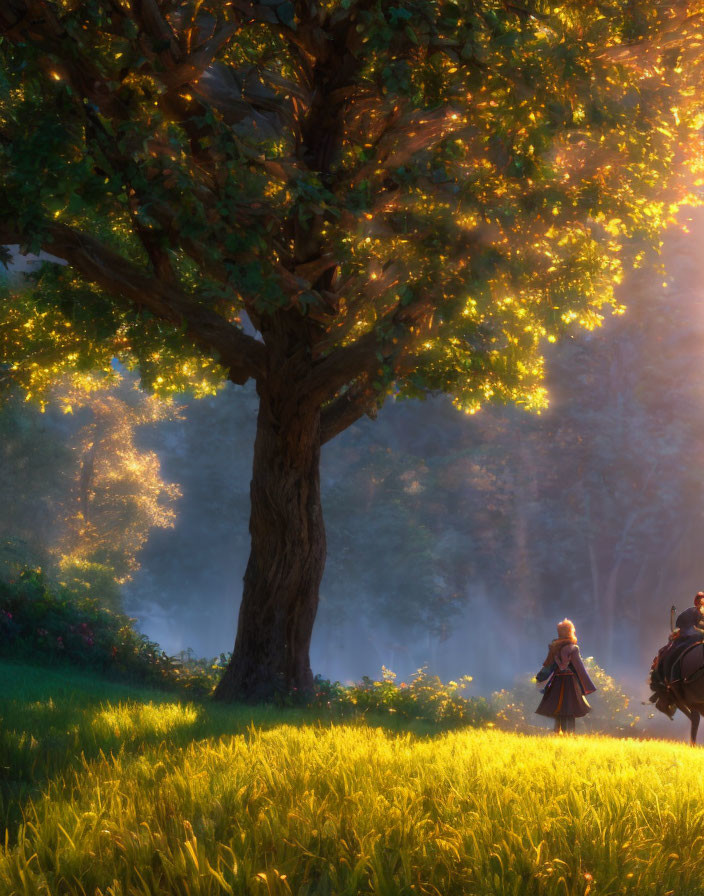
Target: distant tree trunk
point(524, 606)
point(287, 558)
point(591, 548)
point(607, 616)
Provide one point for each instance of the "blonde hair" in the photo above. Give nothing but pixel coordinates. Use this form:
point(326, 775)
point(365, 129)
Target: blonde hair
point(565, 629)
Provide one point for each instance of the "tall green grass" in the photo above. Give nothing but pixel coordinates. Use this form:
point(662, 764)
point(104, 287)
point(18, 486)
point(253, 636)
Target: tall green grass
point(135, 793)
point(52, 720)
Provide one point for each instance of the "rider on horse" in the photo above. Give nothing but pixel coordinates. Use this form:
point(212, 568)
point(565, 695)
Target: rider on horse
point(690, 623)
point(677, 674)
point(666, 669)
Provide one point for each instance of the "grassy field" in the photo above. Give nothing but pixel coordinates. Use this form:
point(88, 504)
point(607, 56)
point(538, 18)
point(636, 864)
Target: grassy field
point(108, 790)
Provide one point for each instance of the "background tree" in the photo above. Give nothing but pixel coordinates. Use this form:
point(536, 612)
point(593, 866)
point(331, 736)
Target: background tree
point(85, 496)
point(118, 496)
point(398, 199)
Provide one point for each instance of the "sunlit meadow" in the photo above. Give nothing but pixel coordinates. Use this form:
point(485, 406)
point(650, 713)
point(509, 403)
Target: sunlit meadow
point(112, 790)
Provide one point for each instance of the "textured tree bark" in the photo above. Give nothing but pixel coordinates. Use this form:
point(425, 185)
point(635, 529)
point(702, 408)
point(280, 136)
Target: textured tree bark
point(281, 582)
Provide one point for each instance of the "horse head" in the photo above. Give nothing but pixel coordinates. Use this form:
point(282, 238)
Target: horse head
point(665, 703)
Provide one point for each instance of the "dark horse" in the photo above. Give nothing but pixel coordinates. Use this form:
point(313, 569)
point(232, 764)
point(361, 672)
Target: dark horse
point(677, 682)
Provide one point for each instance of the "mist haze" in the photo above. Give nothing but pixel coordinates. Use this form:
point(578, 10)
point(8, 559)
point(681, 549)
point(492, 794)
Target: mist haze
point(457, 541)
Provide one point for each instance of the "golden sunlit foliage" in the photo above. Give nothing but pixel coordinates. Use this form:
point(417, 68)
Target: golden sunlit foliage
point(85, 493)
point(40, 344)
point(118, 495)
point(437, 186)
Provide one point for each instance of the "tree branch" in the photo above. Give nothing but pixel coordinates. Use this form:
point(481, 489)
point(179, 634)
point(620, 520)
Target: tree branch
point(241, 355)
point(389, 341)
point(345, 410)
point(644, 54)
point(193, 67)
point(401, 139)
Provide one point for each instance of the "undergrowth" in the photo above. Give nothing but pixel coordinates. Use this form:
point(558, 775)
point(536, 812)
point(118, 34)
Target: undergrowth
point(55, 627)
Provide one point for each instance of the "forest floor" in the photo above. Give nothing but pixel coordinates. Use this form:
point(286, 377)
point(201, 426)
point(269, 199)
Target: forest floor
point(113, 790)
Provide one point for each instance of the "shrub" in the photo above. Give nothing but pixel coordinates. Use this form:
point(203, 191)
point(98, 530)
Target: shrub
point(424, 697)
point(198, 672)
point(48, 625)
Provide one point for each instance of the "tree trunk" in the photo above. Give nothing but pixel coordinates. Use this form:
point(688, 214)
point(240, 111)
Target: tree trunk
point(287, 557)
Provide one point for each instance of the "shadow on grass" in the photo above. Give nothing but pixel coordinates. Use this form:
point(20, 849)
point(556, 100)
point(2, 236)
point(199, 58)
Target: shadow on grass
point(52, 720)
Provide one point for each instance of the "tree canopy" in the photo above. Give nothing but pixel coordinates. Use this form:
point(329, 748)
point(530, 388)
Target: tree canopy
point(431, 188)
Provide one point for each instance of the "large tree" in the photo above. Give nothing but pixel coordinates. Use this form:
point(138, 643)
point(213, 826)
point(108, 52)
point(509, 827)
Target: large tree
point(397, 199)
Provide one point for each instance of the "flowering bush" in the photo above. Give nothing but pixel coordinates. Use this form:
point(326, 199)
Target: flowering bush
point(198, 673)
point(515, 708)
point(39, 623)
point(423, 697)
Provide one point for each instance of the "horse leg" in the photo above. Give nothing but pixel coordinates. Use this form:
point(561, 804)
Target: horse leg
point(689, 691)
point(682, 704)
point(696, 715)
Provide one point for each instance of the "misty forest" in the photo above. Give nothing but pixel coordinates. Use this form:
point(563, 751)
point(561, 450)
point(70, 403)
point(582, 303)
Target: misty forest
point(445, 530)
point(350, 359)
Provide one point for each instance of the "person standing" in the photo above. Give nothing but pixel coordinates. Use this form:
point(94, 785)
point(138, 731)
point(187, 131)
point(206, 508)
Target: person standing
point(568, 683)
